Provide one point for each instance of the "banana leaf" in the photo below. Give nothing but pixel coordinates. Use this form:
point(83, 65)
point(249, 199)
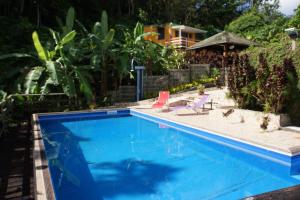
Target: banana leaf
point(51, 68)
point(108, 39)
point(104, 24)
point(70, 19)
point(68, 85)
point(42, 53)
point(85, 87)
point(32, 78)
point(16, 55)
point(68, 38)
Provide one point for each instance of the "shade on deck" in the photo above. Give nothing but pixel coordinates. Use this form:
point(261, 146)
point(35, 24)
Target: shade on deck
point(222, 39)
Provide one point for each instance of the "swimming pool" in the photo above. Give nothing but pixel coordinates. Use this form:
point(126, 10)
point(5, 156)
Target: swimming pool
point(120, 155)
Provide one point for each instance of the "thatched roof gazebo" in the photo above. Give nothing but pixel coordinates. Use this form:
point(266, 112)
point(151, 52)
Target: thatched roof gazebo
point(224, 41)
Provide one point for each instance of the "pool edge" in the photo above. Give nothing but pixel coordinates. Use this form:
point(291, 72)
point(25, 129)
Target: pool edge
point(275, 155)
point(43, 185)
point(43, 189)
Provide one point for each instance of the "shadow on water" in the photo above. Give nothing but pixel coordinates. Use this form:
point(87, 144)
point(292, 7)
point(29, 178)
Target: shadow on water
point(72, 177)
point(132, 177)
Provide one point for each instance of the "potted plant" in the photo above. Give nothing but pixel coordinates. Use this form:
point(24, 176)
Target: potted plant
point(201, 89)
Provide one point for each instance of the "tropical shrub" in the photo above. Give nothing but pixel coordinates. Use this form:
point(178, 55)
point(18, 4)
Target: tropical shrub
point(55, 67)
point(174, 58)
point(272, 88)
point(201, 89)
point(295, 20)
point(194, 84)
point(240, 75)
point(258, 25)
point(99, 41)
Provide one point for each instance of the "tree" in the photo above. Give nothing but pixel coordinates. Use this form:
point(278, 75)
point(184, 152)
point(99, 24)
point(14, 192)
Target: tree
point(295, 20)
point(257, 25)
point(100, 39)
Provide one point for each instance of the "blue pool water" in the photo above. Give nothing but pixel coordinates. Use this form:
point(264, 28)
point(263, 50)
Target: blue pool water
point(129, 158)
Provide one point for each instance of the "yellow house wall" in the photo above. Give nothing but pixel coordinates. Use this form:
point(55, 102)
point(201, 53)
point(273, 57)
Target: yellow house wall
point(169, 33)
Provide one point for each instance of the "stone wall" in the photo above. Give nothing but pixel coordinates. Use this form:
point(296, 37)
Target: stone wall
point(153, 84)
point(198, 70)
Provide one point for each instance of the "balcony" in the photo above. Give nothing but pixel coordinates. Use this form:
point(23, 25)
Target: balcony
point(181, 42)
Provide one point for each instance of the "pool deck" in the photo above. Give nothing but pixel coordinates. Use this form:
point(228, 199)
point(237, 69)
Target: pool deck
point(241, 124)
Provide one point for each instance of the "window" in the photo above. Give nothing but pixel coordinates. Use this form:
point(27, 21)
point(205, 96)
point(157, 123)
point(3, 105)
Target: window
point(161, 33)
point(184, 34)
point(190, 35)
point(176, 33)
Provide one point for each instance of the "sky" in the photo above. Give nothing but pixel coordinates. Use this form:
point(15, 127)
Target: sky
point(287, 7)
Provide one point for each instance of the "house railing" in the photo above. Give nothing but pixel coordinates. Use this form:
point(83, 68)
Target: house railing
point(182, 42)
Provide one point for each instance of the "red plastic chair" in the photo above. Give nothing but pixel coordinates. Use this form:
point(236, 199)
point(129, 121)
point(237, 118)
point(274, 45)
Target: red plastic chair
point(162, 99)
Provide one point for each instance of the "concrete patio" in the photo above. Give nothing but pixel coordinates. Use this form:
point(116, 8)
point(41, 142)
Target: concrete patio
point(241, 124)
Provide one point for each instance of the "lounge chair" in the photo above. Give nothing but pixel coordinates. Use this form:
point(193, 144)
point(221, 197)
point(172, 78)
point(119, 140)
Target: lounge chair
point(196, 105)
point(162, 99)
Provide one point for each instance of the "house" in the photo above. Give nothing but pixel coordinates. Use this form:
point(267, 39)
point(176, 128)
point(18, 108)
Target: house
point(169, 34)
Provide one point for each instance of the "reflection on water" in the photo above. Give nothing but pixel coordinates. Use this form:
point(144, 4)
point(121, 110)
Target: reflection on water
point(131, 158)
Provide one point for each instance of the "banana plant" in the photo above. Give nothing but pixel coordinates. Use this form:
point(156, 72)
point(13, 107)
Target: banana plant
point(69, 24)
point(56, 69)
point(135, 45)
point(102, 39)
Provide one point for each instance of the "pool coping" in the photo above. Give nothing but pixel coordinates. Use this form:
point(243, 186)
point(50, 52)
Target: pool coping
point(43, 184)
point(43, 189)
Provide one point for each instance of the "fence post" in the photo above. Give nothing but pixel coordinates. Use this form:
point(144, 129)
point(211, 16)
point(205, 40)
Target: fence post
point(190, 75)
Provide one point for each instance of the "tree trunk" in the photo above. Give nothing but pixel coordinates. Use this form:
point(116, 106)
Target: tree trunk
point(149, 67)
point(104, 82)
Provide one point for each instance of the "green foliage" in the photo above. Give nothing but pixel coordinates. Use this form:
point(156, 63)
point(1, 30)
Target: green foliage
point(275, 52)
point(99, 41)
point(173, 58)
point(295, 20)
point(183, 87)
point(3, 96)
point(200, 89)
point(32, 79)
point(195, 83)
point(258, 26)
point(42, 53)
point(240, 76)
point(272, 88)
point(215, 72)
point(69, 23)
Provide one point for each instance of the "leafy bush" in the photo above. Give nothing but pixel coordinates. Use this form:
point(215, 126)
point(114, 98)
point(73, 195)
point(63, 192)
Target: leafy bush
point(240, 75)
point(258, 26)
point(295, 20)
point(274, 88)
point(183, 87)
point(275, 52)
point(173, 58)
point(191, 85)
point(201, 89)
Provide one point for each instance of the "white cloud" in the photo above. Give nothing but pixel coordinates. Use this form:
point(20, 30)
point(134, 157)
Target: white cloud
point(288, 6)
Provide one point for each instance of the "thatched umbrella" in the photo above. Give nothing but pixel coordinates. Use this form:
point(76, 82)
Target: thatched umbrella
point(226, 40)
